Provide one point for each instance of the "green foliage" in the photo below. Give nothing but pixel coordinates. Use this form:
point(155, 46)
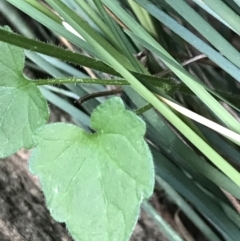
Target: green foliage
point(95, 182)
point(82, 175)
point(22, 107)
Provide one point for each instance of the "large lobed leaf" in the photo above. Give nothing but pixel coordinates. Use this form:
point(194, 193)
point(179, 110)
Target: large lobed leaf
point(95, 182)
point(22, 107)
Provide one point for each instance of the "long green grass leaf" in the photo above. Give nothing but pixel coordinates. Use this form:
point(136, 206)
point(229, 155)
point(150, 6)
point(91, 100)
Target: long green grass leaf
point(206, 29)
point(165, 228)
point(145, 39)
point(151, 98)
point(226, 13)
point(84, 28)
point(207, 206)
point(188, 210)
point(51, 24)
point(192, 39)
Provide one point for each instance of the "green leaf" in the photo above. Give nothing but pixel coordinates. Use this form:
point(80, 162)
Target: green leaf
point(23, 109)
point(95, 182)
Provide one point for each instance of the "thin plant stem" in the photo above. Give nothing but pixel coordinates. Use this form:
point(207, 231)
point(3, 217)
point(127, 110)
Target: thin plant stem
point(99, 94)
point(189, 61)
point(143, 109)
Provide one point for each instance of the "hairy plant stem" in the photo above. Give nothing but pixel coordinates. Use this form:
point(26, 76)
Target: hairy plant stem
point(162, 83)
point(80, 81)
point(168, 85)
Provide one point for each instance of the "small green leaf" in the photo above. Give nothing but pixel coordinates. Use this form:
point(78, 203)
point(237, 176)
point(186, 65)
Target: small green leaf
point(22, 107)
point(95, 182)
